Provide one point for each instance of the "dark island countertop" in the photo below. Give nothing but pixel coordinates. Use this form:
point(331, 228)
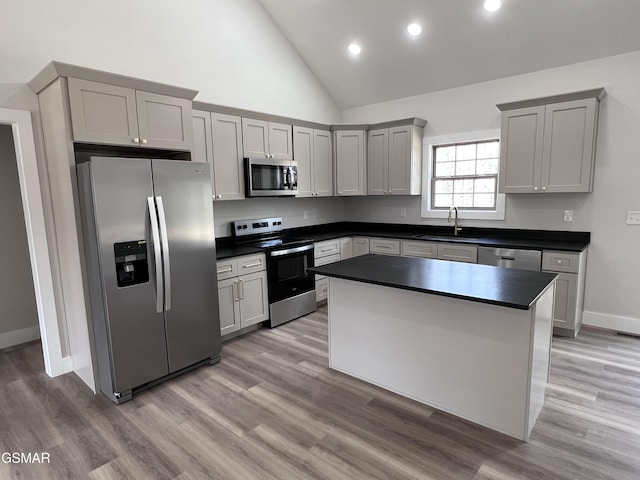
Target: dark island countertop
point(479, 283)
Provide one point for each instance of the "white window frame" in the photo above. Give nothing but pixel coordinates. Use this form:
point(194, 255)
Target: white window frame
point(427, 211)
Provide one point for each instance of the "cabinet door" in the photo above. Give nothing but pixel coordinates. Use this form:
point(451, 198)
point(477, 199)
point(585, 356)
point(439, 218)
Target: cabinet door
point(228, 169)
point(103, 114)
point(202, 150)
point(303, 149)
point(346, 248)
point(164, 122)
point(400, 161)
point(322, 178)
point(458, 253)
point(384, 246)
point(378, 162)
point(564, 310)
point(280, 143)
point(419, 249)
point(569, 134)
point(255, 138)
point(322, 289)
point(360, 246)
point(521, 142)
point(229, 306)
point(254, 304)
point(350, 163)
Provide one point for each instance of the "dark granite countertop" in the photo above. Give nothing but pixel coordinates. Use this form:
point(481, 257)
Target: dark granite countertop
point(231, 251)
point(479, 283)
point(490, 237)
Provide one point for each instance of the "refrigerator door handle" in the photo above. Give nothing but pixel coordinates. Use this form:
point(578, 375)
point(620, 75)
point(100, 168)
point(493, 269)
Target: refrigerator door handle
point(164, 240)
point(155, 236)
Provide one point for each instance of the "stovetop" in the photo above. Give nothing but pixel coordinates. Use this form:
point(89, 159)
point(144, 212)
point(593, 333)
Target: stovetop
point(265, 233)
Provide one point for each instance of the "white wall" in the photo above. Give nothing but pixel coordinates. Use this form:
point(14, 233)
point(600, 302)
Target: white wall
point(614, 254)
point(229, 50)
point(292, 211)
point(18, 315)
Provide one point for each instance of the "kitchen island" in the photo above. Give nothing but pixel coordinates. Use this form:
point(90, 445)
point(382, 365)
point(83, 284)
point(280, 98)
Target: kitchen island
point(470, 340)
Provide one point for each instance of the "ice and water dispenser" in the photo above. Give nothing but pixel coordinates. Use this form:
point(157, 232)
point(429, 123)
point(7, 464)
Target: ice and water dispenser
point(132, 266)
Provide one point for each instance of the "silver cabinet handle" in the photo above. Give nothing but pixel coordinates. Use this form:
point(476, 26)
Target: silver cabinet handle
point(144, 141)
point(328, 249)
point(135, 140)
point(544, 188)
point(226, 269)
point(234, 290)
point(219, 196)
point(155, 237)
point(535, 188)
point(241, 289)
point(388, 247)
point(254, 264)
point(165, 254)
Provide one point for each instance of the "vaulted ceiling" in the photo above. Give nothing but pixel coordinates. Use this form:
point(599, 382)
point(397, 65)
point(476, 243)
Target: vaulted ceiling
point(461, 43)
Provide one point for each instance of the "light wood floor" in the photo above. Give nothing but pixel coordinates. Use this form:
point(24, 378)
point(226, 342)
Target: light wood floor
point(273, 410)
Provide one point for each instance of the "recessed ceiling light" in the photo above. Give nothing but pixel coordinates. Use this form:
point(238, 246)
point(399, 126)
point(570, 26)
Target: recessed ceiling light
point(355, 49)
point(492, 5)
point(414, 29)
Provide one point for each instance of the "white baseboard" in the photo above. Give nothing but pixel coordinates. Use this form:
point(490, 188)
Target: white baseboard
point(16, 337)
point(612, 322)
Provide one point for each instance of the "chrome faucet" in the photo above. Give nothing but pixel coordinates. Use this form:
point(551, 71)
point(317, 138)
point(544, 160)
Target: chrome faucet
point(456, 227)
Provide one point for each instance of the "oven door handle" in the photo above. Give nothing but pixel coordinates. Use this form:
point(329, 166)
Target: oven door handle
point(288, 251)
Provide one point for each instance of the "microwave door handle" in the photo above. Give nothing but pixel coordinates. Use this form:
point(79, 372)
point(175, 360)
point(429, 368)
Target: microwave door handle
point(155, 237)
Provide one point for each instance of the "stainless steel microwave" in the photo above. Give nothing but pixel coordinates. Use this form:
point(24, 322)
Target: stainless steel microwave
point(268, 177)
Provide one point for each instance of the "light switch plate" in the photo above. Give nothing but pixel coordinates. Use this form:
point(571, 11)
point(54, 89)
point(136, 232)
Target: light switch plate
point(633, 217)
point(568, 215)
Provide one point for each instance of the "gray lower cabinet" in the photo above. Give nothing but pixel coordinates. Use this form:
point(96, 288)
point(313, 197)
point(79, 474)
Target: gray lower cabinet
point(114, 115)
point(217, 139)
point(346, 248)
point(384, 246)
point(360, 246)
point(242, 292)
point(350, 162)
point(549, 147)
point(569, 297)
point(326, 252)
point(411, 248)
point(457, 252)
point(264, 139)
point(394, 160)
point(313, 152)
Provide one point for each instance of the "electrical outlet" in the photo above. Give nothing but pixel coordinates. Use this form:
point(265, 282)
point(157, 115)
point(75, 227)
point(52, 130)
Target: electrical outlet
point(403, 212)
point(305, 215)
point(568, 215)
point(633, 218)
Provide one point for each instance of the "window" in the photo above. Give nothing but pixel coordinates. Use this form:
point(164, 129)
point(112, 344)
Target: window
point(465, 175)
point(461, 170)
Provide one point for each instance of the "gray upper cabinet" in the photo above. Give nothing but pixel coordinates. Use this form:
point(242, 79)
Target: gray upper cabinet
point(549, 147)
point(228, 169)
point(394, 162)
point(217, 139)
point(350, 162)
point(113, 115)
point(267, 139)
point(312, 150)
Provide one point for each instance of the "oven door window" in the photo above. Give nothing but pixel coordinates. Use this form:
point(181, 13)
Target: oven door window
point(288, 275)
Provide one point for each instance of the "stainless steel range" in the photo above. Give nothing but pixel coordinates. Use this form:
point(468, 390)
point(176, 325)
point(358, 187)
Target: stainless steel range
point(292, 291)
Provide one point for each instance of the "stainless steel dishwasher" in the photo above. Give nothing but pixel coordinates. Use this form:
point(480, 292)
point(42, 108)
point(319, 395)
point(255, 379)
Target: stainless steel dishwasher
point(511, 258)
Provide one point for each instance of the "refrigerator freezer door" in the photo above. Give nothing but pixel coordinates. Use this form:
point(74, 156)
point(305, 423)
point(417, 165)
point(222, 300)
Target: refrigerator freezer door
point(135, 331)
point(192, 323)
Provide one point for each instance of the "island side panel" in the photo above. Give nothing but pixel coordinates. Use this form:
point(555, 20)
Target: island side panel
point(541, 348)
point(467, 358)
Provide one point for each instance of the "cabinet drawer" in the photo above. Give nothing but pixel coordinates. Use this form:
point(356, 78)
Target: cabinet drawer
point(384, 246)
point(322, 289)
point(419, 249)
point(560, 261)
point(227, 268)
point(324, 249)
point(458, 253)
point(252, 263)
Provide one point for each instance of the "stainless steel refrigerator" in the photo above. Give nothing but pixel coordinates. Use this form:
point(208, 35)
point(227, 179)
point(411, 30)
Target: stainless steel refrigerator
point(151, 269)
